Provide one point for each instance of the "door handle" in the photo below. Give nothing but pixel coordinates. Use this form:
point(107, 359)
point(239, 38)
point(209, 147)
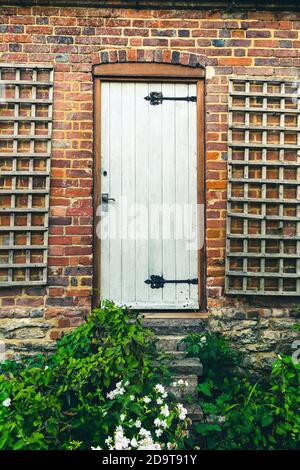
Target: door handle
point(106, 199)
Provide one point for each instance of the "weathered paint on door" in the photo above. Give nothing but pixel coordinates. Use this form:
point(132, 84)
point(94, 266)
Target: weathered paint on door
point(149, 166)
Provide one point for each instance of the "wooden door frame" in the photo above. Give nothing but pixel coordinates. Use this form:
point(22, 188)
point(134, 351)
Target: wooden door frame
point(158, 72)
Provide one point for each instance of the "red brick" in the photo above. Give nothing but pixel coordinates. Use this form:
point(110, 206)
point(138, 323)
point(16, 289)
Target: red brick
point(58, 261)
point(67, 30)
point(56, 291)
point(235, 61)
point(264, 44)
point(41, 29)
point(136, 32)
point(258, 34)
point(204, 33)
point(55, 334)
point(156, 42)
point(30, 301)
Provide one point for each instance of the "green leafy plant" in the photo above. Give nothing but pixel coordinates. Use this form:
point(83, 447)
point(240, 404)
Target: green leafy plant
point(60, 401)
point(241, 412)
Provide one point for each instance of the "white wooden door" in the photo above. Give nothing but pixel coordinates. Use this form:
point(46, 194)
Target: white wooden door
point(149, 166)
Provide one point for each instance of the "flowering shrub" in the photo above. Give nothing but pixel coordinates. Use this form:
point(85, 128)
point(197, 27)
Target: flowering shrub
point(75, 398)
point(143, 422)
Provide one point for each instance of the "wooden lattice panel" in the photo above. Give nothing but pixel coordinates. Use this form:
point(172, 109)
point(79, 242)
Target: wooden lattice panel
point(26, 93)
point(263, 223)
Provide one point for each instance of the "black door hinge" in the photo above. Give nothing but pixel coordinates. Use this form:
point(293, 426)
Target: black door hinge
point(155, 98)
point(158, 282)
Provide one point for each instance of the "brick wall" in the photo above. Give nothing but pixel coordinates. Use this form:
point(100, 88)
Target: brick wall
point(73, 39)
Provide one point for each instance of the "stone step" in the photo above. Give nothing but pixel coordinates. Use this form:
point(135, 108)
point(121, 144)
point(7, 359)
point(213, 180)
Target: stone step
point(175, 326)
point(176, 355)
point(186, 366)
point(170, 333)
point(170, 343)
point(195, 413)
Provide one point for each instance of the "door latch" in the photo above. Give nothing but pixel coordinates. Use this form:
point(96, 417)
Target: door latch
point(155, 98)
point(158, 282)
point(105, 199)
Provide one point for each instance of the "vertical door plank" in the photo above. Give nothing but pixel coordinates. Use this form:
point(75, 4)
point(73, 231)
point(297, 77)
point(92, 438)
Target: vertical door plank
point(105, 160)
point(169, 192)
point(155, 194)
point(115, 184)
point(128, 191)
point(142, 189)
point(182, 191)
point(193, 222)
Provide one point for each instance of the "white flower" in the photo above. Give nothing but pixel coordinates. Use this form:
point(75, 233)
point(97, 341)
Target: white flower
point(146, 399)
point(109, 440)
point(119, 390)
point(165, 411)
point(138, 423)
point(181, 383)
point(132, 397)
point(149, 446)
point(134, 442)
point(46, 367)
point(6, 402)
point(145, 433)
point(203, 340)
point(160, 389)
point(121, 442)
point(182, 411)
point(96, 448)
point(122, 417)
point(144, 441)
point(159, 401)
point(158, 432)
point(160, 423)
point(171, 445)
point(147, 442)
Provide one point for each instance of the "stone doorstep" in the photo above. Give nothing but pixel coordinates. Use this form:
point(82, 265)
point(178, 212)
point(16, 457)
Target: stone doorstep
point(175, 326)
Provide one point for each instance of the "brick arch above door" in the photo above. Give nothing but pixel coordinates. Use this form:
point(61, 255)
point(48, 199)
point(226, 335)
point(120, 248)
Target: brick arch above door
point(159, 56)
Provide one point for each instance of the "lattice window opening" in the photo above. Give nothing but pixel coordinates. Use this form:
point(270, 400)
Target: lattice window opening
point(263, 223)
point(26, 95)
